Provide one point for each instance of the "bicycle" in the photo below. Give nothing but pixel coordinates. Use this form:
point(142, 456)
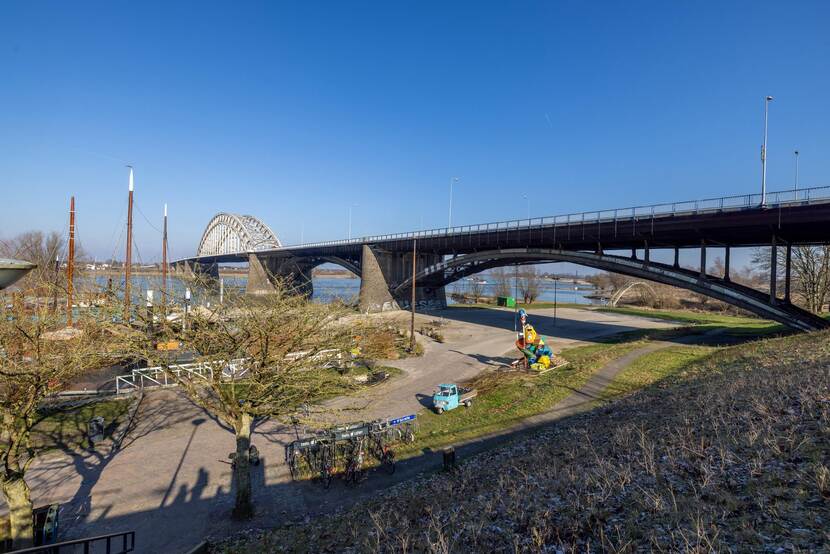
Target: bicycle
point(354, 462)
point(326, 461)
point(384, 453)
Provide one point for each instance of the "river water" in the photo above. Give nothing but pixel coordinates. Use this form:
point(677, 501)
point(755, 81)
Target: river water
point(327, 289)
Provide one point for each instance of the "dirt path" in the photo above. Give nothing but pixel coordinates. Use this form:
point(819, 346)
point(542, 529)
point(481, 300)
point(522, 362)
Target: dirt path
point(171, 481)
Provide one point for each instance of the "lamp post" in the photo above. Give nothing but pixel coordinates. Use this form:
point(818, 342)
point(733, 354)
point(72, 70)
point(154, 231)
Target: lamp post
point(796, 174)
point(555, 287)
point(452, 181)
point(528, 205)
point(350, 219)
point(767, 100)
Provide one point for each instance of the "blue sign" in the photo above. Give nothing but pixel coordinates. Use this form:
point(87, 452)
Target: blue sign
point(399, 420)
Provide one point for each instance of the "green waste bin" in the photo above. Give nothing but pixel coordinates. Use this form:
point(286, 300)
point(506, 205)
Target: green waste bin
point(507, 301)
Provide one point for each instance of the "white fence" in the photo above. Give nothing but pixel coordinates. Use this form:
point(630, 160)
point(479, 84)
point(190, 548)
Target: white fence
point(161, 377)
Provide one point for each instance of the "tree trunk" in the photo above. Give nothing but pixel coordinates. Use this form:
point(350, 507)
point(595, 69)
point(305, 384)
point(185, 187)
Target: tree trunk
point(19, 501)
point(243, 508)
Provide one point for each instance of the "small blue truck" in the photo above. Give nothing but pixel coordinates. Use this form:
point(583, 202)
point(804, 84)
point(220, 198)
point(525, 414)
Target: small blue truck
point(450, 396)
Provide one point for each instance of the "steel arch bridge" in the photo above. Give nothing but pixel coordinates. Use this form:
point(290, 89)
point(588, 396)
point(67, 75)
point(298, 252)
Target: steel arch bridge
point(229, 234)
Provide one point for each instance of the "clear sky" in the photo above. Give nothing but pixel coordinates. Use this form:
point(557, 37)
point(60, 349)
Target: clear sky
point(293, 111)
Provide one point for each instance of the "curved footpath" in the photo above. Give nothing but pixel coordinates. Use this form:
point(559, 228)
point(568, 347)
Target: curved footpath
point(170, 481)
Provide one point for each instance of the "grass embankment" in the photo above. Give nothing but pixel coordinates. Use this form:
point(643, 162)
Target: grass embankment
point(509, 396)
point(730, 453)
point(735, 325)
point(66, 428)
point(653, 367)
point(505, 397)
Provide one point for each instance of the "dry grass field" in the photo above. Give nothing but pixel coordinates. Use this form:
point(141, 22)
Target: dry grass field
point(729, 452)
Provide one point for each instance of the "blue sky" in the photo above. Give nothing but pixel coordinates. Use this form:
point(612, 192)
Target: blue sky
point(292, 112)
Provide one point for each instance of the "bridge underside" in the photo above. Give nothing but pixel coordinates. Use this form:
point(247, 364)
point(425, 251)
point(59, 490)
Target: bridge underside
point(386, 278)
point(765, 305)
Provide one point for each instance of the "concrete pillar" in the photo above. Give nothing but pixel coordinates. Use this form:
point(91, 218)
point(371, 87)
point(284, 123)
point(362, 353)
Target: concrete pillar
point(208, 271)
point(726, 276)
point(260, 279)
point(382, 272)
point(377, 270)
point(293, 273)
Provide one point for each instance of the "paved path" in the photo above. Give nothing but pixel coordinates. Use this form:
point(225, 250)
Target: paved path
point(170, 482)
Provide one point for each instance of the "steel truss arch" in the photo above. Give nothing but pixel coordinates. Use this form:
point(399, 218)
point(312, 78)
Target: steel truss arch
point(747, 298)
point(228, 234)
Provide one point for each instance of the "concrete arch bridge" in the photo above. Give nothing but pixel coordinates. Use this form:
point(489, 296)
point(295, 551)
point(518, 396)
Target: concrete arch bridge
point(593, 239)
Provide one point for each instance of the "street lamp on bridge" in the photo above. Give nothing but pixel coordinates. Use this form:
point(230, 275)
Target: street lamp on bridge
point(796, 174)
point(452, 181)
point(350, 219)
point(767, 100)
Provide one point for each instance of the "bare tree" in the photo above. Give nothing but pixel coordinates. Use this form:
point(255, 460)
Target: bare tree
point(810, 272)
point(502, 277)
point(47, 251)
point(476, 290)
point(264, 356)
point(38, 357)
point(529, 283)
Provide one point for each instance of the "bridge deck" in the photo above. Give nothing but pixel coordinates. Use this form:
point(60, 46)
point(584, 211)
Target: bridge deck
point(797, 217)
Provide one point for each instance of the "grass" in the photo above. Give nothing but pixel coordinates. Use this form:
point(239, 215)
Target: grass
point(655, 366)
point(67, 428)
point(507, 397)
point(736, 325)
point(725, 452)
point(533, 306)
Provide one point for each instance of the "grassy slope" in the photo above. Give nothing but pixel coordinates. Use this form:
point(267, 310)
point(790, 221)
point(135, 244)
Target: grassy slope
point(730, 453)
point(710, 320)
point(650, 368)
point(509, 396)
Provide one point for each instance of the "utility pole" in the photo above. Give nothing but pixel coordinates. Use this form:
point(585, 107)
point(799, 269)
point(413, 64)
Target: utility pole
point(412, 303)
point(164, 263)
point(128, 260)
point(453, 180)
point(796, 174)
point(350, 219)
point(767, 100)
point(70, 266)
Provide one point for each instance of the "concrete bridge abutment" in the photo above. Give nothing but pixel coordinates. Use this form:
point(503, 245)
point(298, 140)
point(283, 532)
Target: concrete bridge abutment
point(266, 273)
point(381, 273)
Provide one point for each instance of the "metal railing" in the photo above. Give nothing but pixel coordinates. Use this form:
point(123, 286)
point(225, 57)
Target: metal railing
point(160, 377)
point(115, 543)
point(786, 198)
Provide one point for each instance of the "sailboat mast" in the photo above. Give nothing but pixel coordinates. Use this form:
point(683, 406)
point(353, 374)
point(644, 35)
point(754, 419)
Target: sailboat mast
point(129, 256)
point(164, 259)
point(70, 266)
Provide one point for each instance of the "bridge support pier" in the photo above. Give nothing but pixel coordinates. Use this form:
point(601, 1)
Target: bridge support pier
point(382, 272)
point(292, 273)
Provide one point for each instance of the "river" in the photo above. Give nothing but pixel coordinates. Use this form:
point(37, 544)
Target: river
point(327, 289)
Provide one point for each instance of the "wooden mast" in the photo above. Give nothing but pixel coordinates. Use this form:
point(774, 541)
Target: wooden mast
point(70, 266)
point(164, 260)
point(129, 256)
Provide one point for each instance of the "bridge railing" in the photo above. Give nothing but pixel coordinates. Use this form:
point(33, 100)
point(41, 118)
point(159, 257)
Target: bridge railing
point(794, 197)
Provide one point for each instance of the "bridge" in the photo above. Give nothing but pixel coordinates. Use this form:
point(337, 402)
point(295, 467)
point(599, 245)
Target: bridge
point(619, 240)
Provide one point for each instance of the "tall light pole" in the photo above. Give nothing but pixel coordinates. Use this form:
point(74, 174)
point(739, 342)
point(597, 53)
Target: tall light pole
point(796, 172)
point(528, 205)
point(350, 219)
point(452, 181)
point(767, 100)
